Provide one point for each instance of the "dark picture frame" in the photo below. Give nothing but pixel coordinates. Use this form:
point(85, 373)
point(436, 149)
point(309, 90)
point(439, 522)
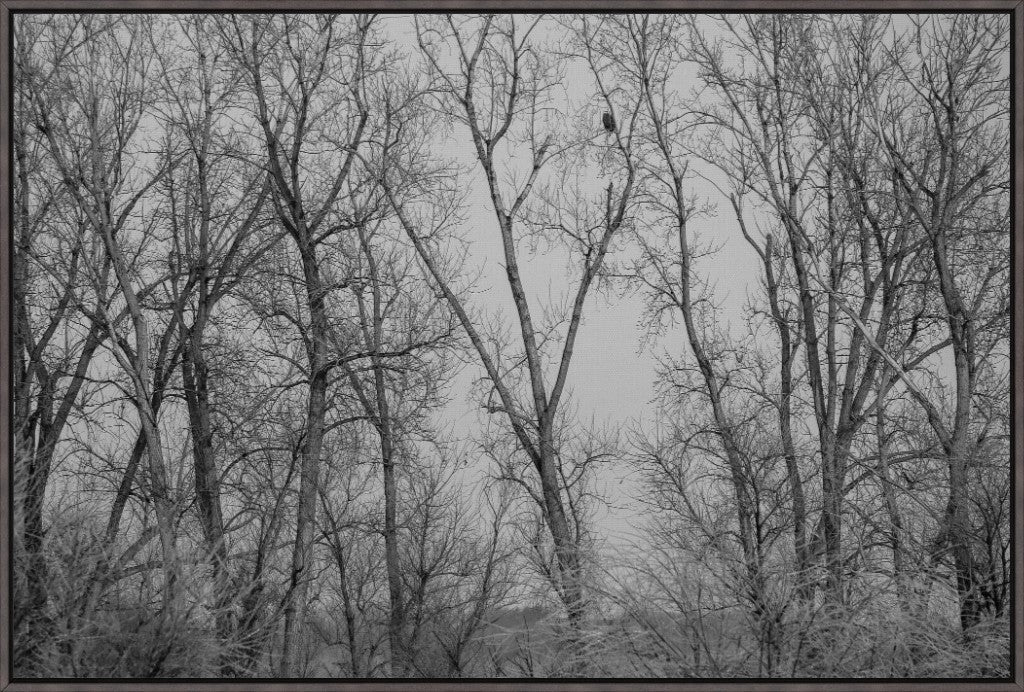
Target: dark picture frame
point(9, 8)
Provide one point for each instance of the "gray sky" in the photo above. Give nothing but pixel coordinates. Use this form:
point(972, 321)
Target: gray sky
point(613, 371)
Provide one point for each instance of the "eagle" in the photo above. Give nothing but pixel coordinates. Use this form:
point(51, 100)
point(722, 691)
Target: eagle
point(609, 122)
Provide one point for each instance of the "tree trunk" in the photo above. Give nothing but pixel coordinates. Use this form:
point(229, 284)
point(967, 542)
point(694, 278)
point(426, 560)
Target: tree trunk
point(889, 497)
point(796, 486)
point(380, 412)
point(195, 381)
point(309, 481)
point(959, 534)
point(396, 616)
point(958, 449)
point(566, 547)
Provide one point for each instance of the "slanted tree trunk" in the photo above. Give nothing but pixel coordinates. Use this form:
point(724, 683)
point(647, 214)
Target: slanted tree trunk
point(892, 508)
point(380, 412)
point(787, 352)
point(497, 51)
point(91, 154)
point(312, 444)
point(671, 170)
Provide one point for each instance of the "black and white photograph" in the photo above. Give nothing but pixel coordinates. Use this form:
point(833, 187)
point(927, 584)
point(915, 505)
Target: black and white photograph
point(615, 345)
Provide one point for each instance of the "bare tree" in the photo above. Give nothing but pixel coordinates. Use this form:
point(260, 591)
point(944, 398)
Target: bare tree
point(405, 330)
point(952, 177)
point(42, 404)
point(665, 268)
point(213, 242)
point(796, 144)
point(498, 86)
point(301, 69)
point(104, 111)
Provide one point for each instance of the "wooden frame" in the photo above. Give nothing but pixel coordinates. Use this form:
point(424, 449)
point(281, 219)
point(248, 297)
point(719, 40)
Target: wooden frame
point(1016, 8)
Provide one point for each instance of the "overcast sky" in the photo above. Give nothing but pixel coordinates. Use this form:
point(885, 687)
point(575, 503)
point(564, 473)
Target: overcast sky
point(613, 369)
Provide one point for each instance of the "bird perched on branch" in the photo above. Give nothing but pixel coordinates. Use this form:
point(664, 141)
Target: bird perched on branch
point(609, 122)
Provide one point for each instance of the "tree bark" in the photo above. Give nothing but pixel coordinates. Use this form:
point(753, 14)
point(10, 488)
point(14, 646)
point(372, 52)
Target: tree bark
point(312, 444)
